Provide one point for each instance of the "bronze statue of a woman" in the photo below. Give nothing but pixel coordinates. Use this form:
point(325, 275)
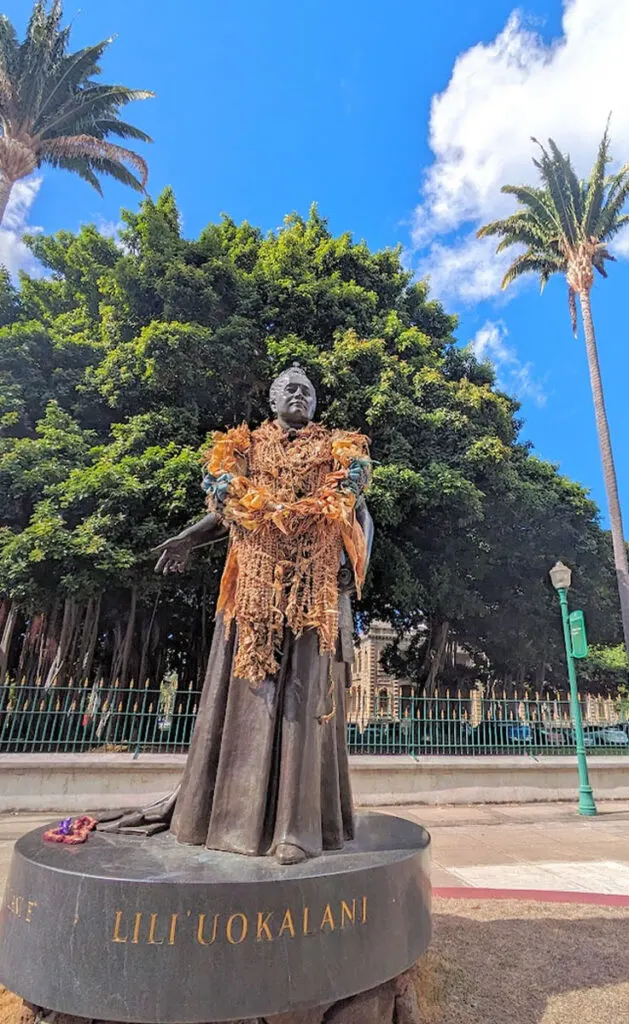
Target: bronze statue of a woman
point(267, 771)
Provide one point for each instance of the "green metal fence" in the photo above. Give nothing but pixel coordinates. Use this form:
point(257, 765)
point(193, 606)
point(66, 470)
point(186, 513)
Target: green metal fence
point(105, 718)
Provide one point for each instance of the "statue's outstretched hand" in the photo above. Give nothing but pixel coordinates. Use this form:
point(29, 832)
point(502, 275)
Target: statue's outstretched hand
point(174, 555)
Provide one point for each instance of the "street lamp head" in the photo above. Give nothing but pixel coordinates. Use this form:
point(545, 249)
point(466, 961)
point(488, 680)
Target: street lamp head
point(561, 576)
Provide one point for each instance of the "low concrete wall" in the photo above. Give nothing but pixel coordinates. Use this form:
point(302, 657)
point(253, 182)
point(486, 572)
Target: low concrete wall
point(78, 782)
point(483, 780)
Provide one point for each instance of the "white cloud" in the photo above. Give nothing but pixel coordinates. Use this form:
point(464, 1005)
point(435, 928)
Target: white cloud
point(467, 270)
point(14, 255)
point(517, 378)
point(109, 228)
point(620, 244)
point(499, 95)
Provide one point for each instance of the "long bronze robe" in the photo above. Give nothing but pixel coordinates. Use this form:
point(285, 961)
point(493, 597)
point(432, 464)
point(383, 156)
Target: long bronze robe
point(267, 764)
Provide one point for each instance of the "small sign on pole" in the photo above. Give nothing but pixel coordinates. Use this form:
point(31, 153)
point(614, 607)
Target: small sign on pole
point(578, 635)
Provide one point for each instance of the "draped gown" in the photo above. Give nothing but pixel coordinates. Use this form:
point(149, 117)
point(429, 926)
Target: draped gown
point(268, 764)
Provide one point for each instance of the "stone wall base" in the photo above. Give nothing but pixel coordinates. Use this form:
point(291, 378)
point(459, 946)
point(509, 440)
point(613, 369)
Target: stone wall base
point(395, 1002)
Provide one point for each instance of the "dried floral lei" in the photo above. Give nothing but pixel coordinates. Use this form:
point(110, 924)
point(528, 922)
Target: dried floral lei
point(71, 830)
point(289, 499)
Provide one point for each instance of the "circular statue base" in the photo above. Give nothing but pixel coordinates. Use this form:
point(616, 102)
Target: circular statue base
point(147, 930)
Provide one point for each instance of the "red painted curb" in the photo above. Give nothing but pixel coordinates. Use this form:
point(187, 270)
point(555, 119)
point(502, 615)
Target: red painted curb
point(462, 892)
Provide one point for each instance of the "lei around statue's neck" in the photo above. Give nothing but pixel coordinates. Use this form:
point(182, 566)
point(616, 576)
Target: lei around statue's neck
point(289, 428)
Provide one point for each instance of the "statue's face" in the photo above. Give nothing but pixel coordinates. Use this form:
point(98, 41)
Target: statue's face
point(294, 400)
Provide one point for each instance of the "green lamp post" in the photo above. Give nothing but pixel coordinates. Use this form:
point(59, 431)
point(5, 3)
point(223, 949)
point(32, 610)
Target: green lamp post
point(561, 577)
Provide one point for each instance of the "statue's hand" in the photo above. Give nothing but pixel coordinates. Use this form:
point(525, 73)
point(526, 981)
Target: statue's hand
point(174, 555)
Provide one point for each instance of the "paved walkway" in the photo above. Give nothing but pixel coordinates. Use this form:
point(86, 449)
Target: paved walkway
point(528, 846)
point(520, 846)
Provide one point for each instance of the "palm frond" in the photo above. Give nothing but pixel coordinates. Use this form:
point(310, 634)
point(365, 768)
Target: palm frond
point(595, 187)
point(112, 126)
point(608, 216)
point(93, 149)
point(495, 227)
point(522, 236)
point(614, 182)
point(9, 49)
point(81, 167)
point(116, 170)
point(564, 165)
point(536, 199)
point(532, 263)
point(73, 71)
point(525, 229)
point(620, 222)
point(93, 102)
point(553, 175)
point(600, 257)
point(8, 42)
point(43, 47)
point(7, 108)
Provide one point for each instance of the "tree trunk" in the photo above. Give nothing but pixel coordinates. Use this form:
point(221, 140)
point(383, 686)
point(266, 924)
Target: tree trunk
point(42, 645)
point(49, 639)
point(65, 642)
point(92, 620)
point(609, 471)
point(540, 675)
point(28, 641)
point(146, 642)
point(126, 647)
point(116, 656)
point(6, 187)
point(5, 642)
point(441, 639)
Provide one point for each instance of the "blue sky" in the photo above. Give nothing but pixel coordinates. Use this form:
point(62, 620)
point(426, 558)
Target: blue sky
point(401, 119)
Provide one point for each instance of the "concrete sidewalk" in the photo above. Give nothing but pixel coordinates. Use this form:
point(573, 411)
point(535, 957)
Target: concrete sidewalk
point(491, 846)
point(528, 846)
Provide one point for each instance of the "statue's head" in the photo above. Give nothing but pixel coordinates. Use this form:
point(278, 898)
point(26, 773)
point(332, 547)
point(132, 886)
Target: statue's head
point(293, 398)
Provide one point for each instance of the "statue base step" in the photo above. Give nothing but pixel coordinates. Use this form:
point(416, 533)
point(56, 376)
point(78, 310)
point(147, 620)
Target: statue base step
point(147, 930)
point(395, 1002)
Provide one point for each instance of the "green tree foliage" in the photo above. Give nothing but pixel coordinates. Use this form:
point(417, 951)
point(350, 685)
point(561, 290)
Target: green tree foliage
point(605, 670)
point(119, 361)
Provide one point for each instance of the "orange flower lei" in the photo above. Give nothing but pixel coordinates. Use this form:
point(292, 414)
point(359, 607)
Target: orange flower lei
point(292, 511)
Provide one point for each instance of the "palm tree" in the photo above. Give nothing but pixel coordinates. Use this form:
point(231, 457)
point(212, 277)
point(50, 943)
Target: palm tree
point(53, 112)
point(565, 226)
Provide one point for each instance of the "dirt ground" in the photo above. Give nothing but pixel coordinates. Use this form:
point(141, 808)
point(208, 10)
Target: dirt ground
point(504, 962)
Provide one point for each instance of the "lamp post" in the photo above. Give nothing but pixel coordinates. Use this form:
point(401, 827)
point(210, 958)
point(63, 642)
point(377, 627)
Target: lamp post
point(561, 577)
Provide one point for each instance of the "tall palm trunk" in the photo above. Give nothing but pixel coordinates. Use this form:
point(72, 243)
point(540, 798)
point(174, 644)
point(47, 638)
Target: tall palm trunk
point(6, 187)
point(609, 471)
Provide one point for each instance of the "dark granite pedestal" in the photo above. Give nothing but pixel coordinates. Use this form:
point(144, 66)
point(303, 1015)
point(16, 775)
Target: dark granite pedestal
point(146, 930)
